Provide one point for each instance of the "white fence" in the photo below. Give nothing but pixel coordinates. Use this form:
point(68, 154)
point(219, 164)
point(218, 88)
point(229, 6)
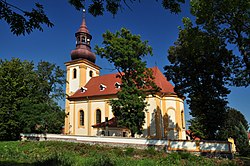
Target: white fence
point(219, 147)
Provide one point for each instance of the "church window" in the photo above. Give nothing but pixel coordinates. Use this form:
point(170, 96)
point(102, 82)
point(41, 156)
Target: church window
point(91, 73)
point(182, 119)
point(78, 40)
point(84, 40)
point(74, 73)
point(81, 118)
point(98, 116)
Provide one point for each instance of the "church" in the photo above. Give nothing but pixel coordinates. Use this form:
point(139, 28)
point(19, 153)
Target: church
point(87, 108)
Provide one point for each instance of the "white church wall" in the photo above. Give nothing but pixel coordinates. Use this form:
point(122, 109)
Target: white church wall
point(152, 111)
point(74, 82)
point(95, 105)
point(171, 118)
point(110, 113)
point(89, 68)
point(81, 130)
point(170, 102)
point(71, 118)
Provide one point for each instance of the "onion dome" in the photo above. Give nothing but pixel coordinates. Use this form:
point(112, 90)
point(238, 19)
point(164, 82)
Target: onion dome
point(83, 49)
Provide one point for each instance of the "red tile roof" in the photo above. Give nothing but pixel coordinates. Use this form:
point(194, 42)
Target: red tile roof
point(109, 80)
point(111, 123)
point(161, 81)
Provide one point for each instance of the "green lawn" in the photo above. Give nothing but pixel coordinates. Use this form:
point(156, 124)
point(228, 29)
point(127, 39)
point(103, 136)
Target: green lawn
point(65, 153)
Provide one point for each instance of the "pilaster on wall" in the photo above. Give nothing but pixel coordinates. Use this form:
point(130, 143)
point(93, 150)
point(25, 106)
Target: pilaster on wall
point(148, 124)
point(165, 119)
point(74, 119)
point(89, 118)
point(107, 109)
point(83, 73)
point(158, 117)
point(66, 119)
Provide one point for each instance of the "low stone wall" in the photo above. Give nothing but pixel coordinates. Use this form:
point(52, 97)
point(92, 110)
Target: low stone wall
point(216, 148)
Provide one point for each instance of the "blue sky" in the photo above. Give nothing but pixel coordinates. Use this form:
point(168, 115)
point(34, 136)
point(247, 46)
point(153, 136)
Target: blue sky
point(147, 18)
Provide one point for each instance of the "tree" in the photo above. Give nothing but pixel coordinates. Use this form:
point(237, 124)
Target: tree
point(16, 83)
point(50, 80)
point(21, 21)
point(26, 97)
point(241, 141)
point(200, 67)
point(24, 22)
point(40, 117)
point(97, 7)
point(196, 128)
point(230, 20)
point(236, 127)
point(126, 51)
point(233, 119)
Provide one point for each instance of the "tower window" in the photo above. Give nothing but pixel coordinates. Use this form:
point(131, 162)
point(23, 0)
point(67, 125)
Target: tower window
point(81, 118)
point(74, 73)
point(91, 73)
point(83, 39)
point(78, 40)
point(98, 116)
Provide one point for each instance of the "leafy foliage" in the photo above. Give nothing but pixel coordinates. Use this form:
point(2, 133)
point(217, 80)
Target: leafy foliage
point(230, 20)
point(21, 21)
point(125, 51)
point(97, 7)
point(196, 128)
point(16, 83)
point(233, 119)
point(201, 67)
point(27, 98)
point(241, 140)
point(236, 127)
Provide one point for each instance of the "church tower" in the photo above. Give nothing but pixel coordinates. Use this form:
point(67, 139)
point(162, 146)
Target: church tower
point(82, 66)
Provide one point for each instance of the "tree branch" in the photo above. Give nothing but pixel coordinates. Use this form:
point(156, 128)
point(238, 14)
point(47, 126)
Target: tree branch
point(8, 4)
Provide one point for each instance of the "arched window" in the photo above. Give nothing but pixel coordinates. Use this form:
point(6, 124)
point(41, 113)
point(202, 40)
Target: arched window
point(182, 119)
point(81, 118)
point(98, 116)
point(91, 73)
point(84, 40)
point(74, 73)
point(78, 40)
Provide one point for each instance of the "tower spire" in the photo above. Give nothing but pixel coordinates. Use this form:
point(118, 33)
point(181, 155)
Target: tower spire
point(83, 13)
point(83, 38)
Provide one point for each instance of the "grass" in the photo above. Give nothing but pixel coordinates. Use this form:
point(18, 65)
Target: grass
point(74, 154)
